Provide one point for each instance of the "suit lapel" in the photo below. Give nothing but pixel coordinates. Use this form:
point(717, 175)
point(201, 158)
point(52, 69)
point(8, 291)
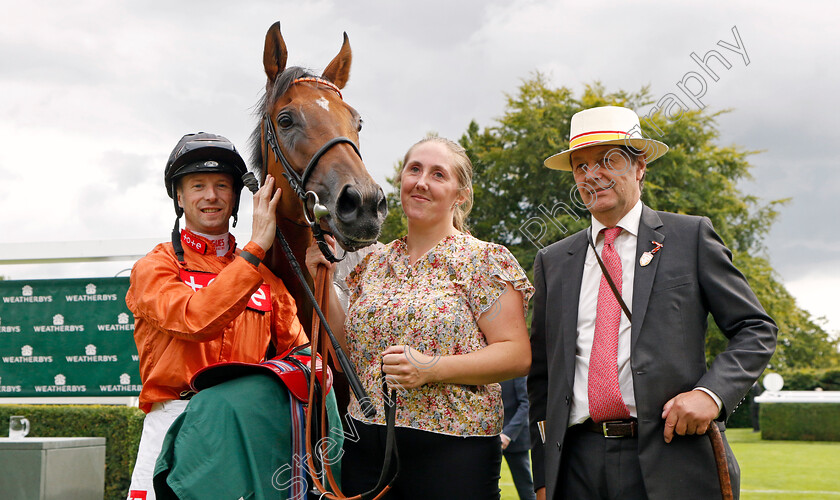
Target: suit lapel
point(643, 277)
point(575, 258)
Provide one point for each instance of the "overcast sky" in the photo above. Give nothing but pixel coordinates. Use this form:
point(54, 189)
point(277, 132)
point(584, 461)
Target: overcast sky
point(94, 95)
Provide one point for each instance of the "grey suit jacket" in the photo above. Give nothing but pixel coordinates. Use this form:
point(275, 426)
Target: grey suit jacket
point(689, 278)
point(515, 399)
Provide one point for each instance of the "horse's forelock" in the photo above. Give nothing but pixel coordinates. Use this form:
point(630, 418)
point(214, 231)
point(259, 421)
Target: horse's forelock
point(281, 85)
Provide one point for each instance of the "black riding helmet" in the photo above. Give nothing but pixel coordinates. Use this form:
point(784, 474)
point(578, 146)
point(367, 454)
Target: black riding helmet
point(203, 152)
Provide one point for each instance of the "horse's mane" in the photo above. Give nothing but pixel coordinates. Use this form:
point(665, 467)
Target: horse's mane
point(281, 85)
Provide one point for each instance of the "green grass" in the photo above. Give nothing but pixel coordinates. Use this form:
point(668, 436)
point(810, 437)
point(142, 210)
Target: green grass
point(506, 483)
point(770, 470)
point(773, 470)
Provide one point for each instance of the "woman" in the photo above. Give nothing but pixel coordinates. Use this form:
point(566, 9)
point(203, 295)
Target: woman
point(442, 314)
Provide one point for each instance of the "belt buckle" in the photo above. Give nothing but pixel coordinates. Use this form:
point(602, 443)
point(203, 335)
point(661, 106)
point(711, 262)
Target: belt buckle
point(604, 425)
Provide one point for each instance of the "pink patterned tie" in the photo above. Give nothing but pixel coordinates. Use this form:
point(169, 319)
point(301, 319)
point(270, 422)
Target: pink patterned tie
point(605, 402)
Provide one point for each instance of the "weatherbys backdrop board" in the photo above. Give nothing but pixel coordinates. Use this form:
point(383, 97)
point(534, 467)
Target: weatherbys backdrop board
point(69, 337)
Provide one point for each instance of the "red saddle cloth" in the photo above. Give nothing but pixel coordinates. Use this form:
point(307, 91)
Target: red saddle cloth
point(292, 367)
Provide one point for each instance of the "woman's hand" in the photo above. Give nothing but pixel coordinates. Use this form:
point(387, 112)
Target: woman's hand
point(407, 368)
point(314, 257)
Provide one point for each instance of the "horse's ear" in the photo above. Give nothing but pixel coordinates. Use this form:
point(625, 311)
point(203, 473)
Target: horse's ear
point(338, 71)
point(274, 54)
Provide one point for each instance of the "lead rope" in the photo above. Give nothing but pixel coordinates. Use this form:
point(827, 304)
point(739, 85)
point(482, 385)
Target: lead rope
point(346, 366)
point(383, 484)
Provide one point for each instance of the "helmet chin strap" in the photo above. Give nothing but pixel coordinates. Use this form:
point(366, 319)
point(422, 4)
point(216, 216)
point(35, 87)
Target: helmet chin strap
point(176, 240)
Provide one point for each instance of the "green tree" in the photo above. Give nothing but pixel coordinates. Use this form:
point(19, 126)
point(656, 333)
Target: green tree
point(523, 205)
point(802, 342)
point(395, 225)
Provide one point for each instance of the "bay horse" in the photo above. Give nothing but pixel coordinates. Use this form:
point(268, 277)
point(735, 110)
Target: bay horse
point(307, 138)
point(303, 114)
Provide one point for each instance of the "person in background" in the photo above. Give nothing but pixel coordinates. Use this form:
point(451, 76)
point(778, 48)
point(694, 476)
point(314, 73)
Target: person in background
point(516, 440)
point(755, 391)
point(618, 409)
point(198, 300)
point(442, 315)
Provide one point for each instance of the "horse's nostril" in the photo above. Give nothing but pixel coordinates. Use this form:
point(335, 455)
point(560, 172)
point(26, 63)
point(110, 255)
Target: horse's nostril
point(382, 205)
point(348, 203)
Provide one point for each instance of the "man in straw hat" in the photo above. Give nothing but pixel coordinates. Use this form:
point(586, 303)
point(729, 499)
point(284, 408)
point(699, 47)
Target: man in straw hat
point(618, 409)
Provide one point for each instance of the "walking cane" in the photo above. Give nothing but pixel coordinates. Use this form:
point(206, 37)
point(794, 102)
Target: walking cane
point(720, 461)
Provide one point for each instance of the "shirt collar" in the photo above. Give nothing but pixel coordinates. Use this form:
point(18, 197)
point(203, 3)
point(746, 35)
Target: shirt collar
point(205, 243)
point(629, 223)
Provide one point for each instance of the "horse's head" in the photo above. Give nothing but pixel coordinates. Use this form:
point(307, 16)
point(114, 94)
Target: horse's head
point(302, 115)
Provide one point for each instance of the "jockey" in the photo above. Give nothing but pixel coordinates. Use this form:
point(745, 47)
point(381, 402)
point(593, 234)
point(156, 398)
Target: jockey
point(199, 300)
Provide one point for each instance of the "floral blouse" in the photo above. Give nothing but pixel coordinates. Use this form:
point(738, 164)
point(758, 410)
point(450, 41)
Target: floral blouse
point(432, 306)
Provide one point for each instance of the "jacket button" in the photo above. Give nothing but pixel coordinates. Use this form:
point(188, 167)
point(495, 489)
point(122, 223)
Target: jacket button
point(559, 446)
point(567, 400)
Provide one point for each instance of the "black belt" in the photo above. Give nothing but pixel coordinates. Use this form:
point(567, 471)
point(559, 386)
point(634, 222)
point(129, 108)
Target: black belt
point(612, 428)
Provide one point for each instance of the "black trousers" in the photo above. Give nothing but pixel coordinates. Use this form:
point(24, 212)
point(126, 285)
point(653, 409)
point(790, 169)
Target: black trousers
point(432, 466)
point(595, 467)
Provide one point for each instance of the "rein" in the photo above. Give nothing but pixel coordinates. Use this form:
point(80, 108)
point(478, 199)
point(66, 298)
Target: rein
point(346, 366)
point(383, 484)
point(298, 181)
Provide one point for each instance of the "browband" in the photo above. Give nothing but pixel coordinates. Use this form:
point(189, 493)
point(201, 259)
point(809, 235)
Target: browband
point(315, 79)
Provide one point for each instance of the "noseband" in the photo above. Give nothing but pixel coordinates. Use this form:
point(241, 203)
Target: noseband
point(297, 181)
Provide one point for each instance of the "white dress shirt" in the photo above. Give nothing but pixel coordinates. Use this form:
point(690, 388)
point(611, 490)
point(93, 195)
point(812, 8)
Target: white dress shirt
point(625, 245)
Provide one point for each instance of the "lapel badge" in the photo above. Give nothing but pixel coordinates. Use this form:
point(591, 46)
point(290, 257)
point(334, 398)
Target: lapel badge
point(648, 256)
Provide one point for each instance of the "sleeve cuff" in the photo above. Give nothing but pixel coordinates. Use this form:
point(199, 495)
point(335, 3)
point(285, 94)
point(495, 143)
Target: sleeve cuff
point(251, 258)
point(254, 250)
point(714, 396)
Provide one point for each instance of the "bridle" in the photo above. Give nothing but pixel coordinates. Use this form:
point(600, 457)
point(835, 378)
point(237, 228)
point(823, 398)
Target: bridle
point(298, 181)
point(328, 342)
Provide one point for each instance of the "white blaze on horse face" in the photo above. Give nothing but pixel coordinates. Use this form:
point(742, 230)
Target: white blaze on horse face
point(323, 103)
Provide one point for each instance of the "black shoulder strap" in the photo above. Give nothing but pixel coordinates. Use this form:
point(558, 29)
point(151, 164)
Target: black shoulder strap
point(609, 278)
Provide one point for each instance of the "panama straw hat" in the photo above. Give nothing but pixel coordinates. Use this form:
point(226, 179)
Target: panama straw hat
point(604, 126)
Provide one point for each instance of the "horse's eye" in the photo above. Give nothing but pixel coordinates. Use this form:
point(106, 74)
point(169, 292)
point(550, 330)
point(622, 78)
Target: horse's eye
point(284, 121)
point(359, 126)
